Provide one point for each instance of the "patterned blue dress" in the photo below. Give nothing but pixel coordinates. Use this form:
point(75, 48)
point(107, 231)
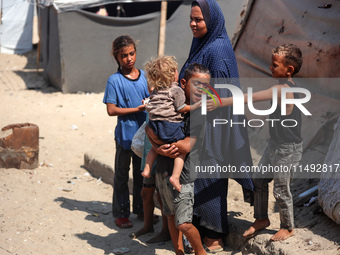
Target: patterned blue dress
point(224, 145)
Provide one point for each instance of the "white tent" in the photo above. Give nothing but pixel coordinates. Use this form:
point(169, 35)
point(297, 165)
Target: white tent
point(16, 26)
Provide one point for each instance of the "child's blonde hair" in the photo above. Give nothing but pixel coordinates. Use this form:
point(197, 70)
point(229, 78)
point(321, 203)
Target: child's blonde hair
point(292, 55)
point(161, 72)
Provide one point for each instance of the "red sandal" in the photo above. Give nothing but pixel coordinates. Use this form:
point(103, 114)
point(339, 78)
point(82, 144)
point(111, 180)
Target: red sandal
point(123, 223)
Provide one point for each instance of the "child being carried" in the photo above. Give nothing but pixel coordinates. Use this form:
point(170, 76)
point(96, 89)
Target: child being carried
point(166, 108)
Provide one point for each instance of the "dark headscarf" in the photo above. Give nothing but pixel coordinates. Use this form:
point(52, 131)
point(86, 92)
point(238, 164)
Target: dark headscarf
point(214, 50)
point(205, 10)
point(224, 144)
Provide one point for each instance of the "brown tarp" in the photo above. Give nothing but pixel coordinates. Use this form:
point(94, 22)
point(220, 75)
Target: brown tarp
point(314, 26)
point(329, 186)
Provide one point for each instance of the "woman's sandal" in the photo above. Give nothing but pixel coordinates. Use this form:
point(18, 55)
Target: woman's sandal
point(251, 235)
point(123, 223)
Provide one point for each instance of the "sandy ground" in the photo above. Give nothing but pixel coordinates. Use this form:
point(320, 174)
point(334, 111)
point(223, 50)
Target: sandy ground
point(58, 208)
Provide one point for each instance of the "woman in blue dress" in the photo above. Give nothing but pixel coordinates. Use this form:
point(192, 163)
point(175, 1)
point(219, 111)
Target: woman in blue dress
point(224, 145)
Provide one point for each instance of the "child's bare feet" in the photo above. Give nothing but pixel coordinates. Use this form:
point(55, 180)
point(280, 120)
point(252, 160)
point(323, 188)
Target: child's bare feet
point(175, 182)
point(282, 234)
point(256, 226)
point(146, 173)
point(141, 232)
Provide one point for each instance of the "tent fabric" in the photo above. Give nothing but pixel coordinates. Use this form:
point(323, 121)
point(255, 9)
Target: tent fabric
point(76, 44)
point(72, 5)
point(76, 47)
point(315, 30)
point(178, 34)
point(50, 49)
point(329, 185)
point(16, 27)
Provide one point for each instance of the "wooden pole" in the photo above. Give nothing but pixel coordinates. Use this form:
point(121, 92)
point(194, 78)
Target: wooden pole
point(162, 28)
point(1, 12)
point(39, 43)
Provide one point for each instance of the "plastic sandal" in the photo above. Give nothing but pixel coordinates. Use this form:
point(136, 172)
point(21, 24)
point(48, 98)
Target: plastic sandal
point(123, 223)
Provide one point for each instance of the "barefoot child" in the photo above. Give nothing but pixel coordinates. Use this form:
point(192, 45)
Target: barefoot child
point(123, 97)
point(284, 148)
point(148, 191)
point(165, 108)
